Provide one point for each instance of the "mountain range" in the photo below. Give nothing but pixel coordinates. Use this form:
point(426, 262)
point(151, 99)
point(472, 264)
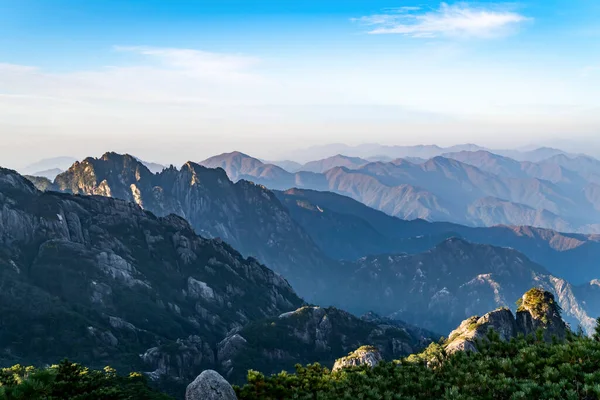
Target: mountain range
point(324, 243)
point(475, 188)
point(379, 152)
point(347, 229)
point(101, 281)
point(247, 216)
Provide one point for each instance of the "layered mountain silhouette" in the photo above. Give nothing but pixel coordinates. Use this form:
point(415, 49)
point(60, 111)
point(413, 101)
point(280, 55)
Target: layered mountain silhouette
point(379, 152)
point(326, 164)
point(47, 166)
point(285, 236)
point(302, 234)
point(471, 188)
point(347, 229)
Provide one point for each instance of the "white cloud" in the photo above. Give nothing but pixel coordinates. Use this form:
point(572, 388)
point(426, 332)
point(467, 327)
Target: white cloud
point(461, 19)
point(166, 75)
point(213, 65)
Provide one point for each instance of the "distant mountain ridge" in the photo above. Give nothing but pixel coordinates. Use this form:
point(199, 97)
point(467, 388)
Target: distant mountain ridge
point(389, 152)
point(347, 229)
point(339, 160)
point(232, 215)
point(304, 233)
point(470, 188)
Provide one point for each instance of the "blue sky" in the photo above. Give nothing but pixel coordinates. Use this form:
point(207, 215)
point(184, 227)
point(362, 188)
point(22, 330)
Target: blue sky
point(210, 76)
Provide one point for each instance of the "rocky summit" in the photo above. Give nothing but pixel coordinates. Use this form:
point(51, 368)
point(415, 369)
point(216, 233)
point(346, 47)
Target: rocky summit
point(537, 312)
point(245, 215)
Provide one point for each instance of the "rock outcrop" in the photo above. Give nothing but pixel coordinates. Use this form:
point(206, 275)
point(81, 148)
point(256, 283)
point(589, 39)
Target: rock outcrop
point(228, 349)
point(365, 355)
point(473, 329)
point(209, 385)
point(537, 311)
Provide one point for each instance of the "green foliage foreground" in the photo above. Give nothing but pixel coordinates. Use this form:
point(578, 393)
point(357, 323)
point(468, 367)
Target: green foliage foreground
point(524, 368)
point(74, 382)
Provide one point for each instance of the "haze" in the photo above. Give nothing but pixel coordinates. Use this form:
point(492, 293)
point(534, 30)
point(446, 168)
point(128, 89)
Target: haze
point(178, 80)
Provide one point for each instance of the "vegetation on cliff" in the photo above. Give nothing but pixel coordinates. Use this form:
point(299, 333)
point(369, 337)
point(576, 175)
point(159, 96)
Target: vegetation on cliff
point(523, 368)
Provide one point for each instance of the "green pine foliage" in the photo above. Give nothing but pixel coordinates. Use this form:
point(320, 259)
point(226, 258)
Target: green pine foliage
point(524, 368)
point(74, 382)
point(540, 303)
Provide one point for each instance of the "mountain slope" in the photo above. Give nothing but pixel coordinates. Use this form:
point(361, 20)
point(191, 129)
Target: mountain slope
point(339, 160)
point(553, 169)
point(239, 165)
point(314, 334)
point(245, 215)
point(101, 281)
point(456, 279)
point(346, 229)
point(288, 165)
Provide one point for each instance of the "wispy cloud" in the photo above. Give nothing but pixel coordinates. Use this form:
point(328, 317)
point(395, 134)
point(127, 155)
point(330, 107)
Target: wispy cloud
point(204, 63)
point(460, 19)
point(165, 75)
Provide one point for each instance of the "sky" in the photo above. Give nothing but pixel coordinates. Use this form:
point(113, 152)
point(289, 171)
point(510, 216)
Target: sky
point(178, 80)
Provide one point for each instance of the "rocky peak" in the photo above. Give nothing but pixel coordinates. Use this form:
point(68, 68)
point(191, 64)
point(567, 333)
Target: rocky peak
point(204, 174)
point(114, 175)
point(365, 355)
point(244, 215)
point(538, 309)
point(11, 180)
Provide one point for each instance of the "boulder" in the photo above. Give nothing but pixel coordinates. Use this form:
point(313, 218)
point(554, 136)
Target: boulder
point(209, 385)
point(365, 355)
point(476, 328)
